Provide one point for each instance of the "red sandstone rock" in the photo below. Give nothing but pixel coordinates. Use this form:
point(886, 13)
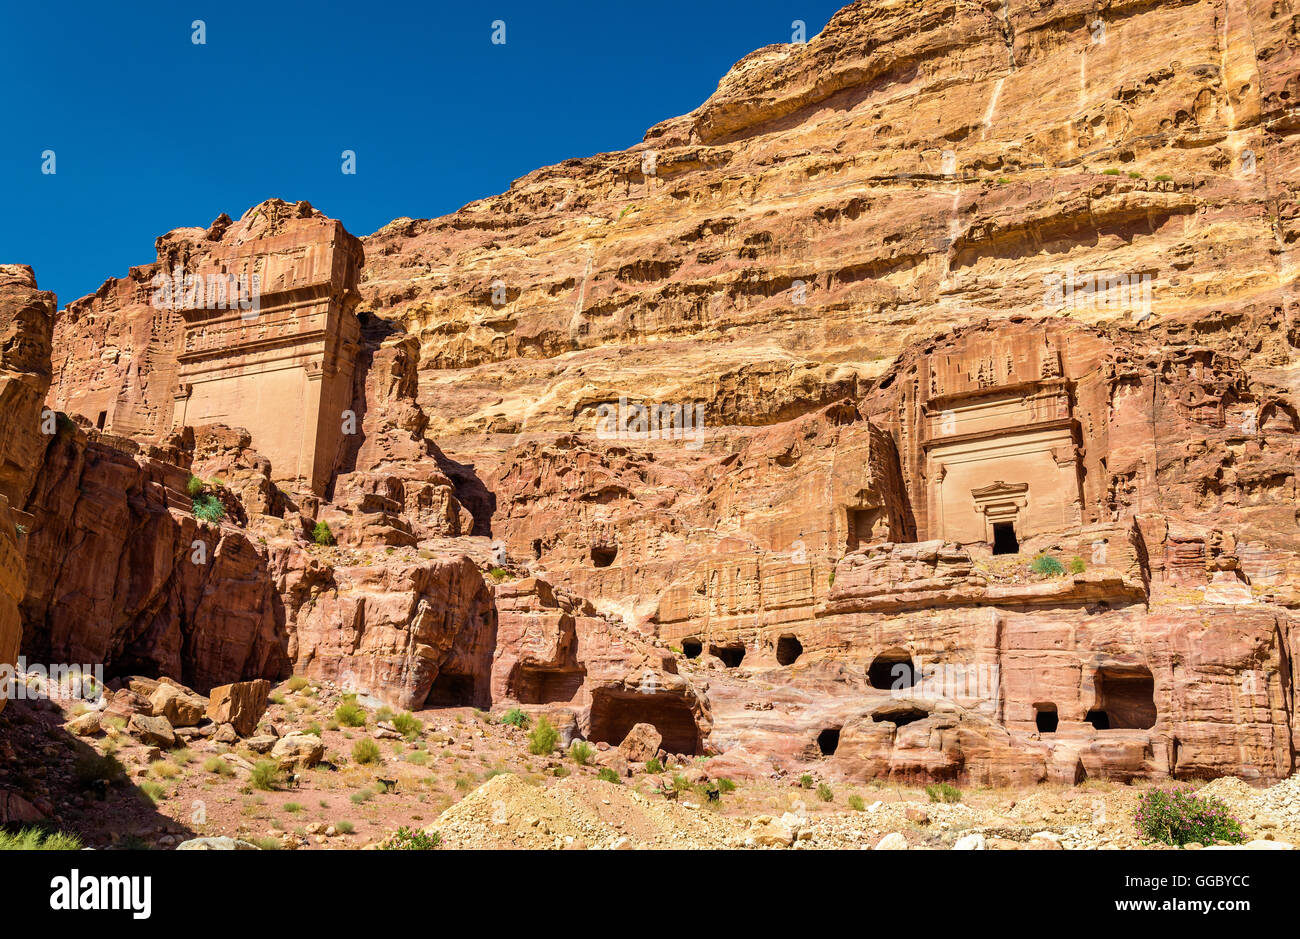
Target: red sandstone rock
point(241, 705)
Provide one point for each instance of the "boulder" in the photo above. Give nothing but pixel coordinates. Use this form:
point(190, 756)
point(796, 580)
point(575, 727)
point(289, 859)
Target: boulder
point(641, 743)
point(894, 841)
point(154, 731)
point(216, 844)
point(180, 707)
point(972, 842)
point(241, 704)
point(87, 725)
point(298, 750)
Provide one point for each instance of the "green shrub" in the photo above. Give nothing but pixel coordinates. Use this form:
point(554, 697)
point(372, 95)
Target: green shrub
point(654, 766)
point(38, 839)
point(215, 764)
point(365, 751)
point(406, 839)
point(266, 774)
point(1047, 566)
point(608, 775)
point(293, 808)
point(1164, 178)
point(856, 803)
point(194, 487)
point(726, 785)
point(805, 781)
point(362, 795)
point(350, 714)
point(208, 508)
point(344, 828)
point(499, 574)
point(297, 683)
point(154, 790)
point(543, 738)
point(314, 729)
point(408, 725)
point(679, 783)
point(824, 793)
point(1178, 816)
point(385, 713)
point(1077, 566)
point(943, 792)
point(92, 766)
point(1110, 172)
point(322, 535)
point(515, 718)
point(580, 752)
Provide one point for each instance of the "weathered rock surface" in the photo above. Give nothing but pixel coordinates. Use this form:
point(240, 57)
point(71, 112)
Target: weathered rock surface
point(240, 704)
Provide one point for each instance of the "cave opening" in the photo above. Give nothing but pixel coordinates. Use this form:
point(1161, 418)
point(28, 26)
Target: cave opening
point(453, 690)
point(1099, 719)
point(691, 648)
point(546, 686)
point(861, 525)
point(828, 741)
point(603, 555)
point(731, 654)
point(1126, 697)
point(1004, 538)
point(614, 714)
point(1046, 718)
point(788, 650)
point(899, 716)
point(892, 670)
point(537, 549)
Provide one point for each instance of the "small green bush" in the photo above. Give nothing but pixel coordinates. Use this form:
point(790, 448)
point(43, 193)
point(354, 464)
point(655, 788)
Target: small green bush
point(1110, 172)
point(361, 796)
point(580, 752)
point(297, 683)
point(38, 839)
point(350, 714)
point(208, 508)
point(293, 808)
point(1164, 178)
point(499, 574)
point(154, 790)
point(654, 766)
point(1046, 566)
point(322, 534)
point(825, 794)
point(266, 774)
point(805, 781)
point(406, 839)
point(1178, 816)
point(344, 828)
point(543, 738)
point(515, 718)
point(194, 487)
point(408, 725)
point(608, 775)
point(726, 785)
point(1077, 566)
point(365, 751)
point(215, 764)
point(314, 729)
point(943, 792)
point(856, 803)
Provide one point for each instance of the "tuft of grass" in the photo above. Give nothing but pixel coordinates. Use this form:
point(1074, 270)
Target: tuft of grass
point(856, 803)
point(208, 508)
point(543, 738)
point(194, 487)
point(943, 792)
point(297, 683)
point(515, 718)
point(580, 752)
point(806, 781)
point(1077, 565)
point(408, 725)
point(344, 828)
point(654, 766)
point(266, 775)
point(293, 808)
point(313, 728)
point(825, 793)
point(1164, 178)
point(154, 790)
point(1110, 172)
point(608, 775)
point(165, 770)
point(38, 839)
point(726, 785)
point(350, 714)
point(365, 751)
point(215, 764)
point(362, 796)
point(1046, 566)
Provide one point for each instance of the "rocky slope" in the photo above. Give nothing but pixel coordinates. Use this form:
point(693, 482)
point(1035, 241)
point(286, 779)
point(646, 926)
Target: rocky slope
point(958, 338)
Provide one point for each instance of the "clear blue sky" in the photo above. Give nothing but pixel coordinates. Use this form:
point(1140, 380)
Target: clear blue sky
point(152, 132)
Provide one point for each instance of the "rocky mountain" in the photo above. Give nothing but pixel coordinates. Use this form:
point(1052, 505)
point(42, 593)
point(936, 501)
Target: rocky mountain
point(921, 405)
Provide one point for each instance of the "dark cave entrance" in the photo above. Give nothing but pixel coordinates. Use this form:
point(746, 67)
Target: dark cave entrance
point(613, 715)
point(1046, 718)
point(1099, 720)
point(603, 556)
point(731, 654)
point(828, 741)
point(892, 670)
point(1004, 538)
point(1125, 698)
point(453, 690)
point(899, 716)
point(691, 648)
point(788, 650)
point(546, 686)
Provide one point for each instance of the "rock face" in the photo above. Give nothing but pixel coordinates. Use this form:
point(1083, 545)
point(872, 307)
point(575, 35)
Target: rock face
point(26, 321)
point(902, 410)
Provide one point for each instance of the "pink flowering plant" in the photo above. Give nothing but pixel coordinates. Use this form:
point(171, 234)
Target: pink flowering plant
point(1179, 816)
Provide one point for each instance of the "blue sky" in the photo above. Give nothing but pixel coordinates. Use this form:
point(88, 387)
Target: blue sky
point(152, 132)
